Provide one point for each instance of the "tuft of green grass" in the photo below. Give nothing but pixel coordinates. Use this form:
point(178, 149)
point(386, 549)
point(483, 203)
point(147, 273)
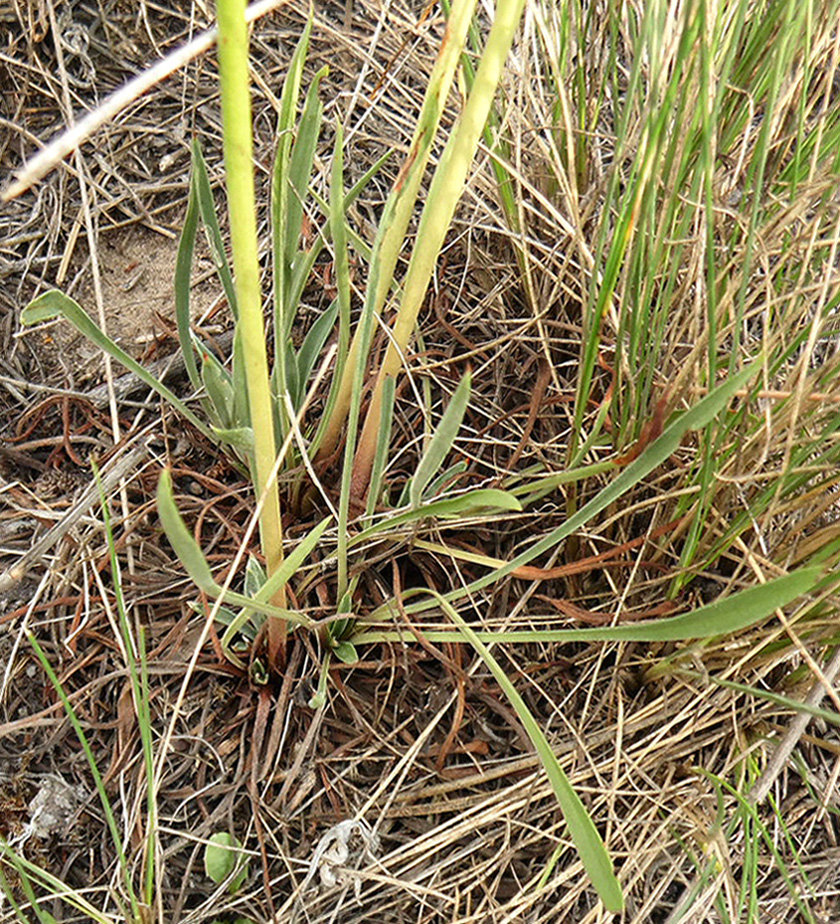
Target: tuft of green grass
point(685, 159)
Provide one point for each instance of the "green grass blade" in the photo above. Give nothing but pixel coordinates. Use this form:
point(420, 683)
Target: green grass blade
point(183, 273)
point(588, 843)
point(186, 548)
point(469, 502)
point(212, 231)
point(219, 387)
point(105, 802)
point(441, 441)
point(722, 617)
point(655, 455)
point(281, 195)
point(54, 304)
point(292, 561)
point(383, 444)
point(29, 871)
point(137, 666)
point(311, 349)
point(300, 172)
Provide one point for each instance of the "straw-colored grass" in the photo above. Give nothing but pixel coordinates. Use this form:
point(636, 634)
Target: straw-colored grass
point(671, 215)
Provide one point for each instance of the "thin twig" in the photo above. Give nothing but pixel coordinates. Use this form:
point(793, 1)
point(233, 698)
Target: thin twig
point(794, 733)
point(118, 468)
point(46, 159)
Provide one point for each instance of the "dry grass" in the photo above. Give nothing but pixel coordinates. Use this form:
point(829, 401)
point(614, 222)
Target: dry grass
point(418, 741)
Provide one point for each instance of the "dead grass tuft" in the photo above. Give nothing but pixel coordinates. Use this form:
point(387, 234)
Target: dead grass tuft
point(418, 740)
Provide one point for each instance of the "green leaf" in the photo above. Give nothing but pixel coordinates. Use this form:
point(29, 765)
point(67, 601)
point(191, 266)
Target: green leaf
point(479, 499)
point(219, 387)
point(207, 207)
point(281, 193)
point(241, 408)
point(186, 548)
point(588, 843)
point(278, 579)
point(722, 617)
point(254, 576)
point(192, 558)
point(294, 385)
point(441, 441)
point(346, 652)
point(312, 346)
point(383, 441)
point(439, 483)
point(241, 438)
point(183, 272)
point(655, 455)
point(301, 164)
point(222, 856)
point(292, 561)
point(55, 304)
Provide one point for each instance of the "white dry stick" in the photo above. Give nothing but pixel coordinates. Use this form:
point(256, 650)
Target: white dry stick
point(774, 767)
point(47, 158)
point(794, 733)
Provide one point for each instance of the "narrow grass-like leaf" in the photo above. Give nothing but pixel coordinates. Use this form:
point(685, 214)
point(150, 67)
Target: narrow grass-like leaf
point(444, 478)
point(281, 195)
point(338, 229)
point(25, 885)
point(210, 221)
point(269, 587)
point(306, 259)
point(186, 548)
point(530, 492)
point(183, 273)
point(105, 802)
point(292, 561)
point(588, 843)
point(135, 651)
point(655, 455)
point(219, 386)
point(241, 410)
point(441, 441)
point(9, 856)
point(241, 438)
point(29, 871)
point(192, 558)
point(794, 705)
point(382, 446)
point(480, 499)
point(54, 304)
point(722, 617)
point(311, 349)
point(301, 169)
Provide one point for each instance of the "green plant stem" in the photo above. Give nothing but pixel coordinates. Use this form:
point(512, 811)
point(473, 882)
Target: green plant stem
point(388, 246)
point(446, 189)
point(239, 172)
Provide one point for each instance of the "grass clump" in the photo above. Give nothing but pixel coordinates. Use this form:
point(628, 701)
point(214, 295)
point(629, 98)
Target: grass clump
point(663, 179)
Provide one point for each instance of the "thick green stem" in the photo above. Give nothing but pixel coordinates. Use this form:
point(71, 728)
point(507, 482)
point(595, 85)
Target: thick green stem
point(239, 172)
point(446, 189)
point(400, 207)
